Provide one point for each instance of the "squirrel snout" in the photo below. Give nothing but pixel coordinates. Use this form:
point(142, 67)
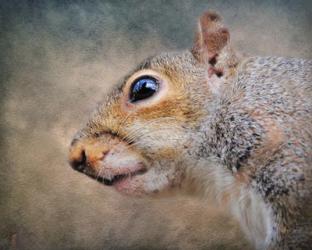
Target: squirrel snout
point(106, 159)
point(86, 154)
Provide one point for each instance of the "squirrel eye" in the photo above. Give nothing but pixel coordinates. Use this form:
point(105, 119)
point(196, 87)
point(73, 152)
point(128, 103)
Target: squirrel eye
point(142, 88)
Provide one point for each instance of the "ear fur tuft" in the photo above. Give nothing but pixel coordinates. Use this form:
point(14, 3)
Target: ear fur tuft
point(212, 46)
point(211, 37)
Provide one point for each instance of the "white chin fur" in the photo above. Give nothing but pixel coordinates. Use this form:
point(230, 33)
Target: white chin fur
point(156, 181)
point(254, 216)
point(248, 207)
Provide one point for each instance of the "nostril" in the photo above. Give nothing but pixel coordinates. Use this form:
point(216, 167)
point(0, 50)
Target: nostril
point(79, 164)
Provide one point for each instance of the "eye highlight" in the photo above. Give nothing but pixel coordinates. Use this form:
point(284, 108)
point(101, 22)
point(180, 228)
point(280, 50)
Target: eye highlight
point(143, 88)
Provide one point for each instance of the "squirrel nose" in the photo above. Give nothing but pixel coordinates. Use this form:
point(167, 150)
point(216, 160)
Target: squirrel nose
point(77, 157)
point(87, 154)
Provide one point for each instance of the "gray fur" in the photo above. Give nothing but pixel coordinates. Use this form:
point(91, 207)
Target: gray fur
point(279, 88)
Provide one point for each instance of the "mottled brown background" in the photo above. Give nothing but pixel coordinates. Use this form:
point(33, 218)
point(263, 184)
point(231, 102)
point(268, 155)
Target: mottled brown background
point(58, 58)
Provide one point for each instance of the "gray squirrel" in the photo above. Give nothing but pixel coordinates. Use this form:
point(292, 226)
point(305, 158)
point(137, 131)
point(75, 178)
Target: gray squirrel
point(216, 123)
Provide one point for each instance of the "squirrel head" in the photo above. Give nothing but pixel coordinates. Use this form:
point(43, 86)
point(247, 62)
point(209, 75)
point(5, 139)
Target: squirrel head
point(144, 135)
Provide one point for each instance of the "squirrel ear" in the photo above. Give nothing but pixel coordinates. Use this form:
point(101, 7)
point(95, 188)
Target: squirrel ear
point(210, 39)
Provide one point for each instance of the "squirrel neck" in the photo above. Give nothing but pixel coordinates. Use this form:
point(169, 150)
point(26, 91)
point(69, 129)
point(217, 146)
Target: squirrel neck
point(230, 133)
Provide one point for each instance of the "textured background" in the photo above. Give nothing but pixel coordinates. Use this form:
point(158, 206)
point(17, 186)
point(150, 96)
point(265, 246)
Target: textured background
point(58, 58)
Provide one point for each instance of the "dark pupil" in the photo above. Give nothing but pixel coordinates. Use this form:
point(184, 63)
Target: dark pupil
point(143, 88)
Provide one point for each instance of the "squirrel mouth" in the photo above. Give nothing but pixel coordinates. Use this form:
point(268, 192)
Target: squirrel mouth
point(119, 177)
